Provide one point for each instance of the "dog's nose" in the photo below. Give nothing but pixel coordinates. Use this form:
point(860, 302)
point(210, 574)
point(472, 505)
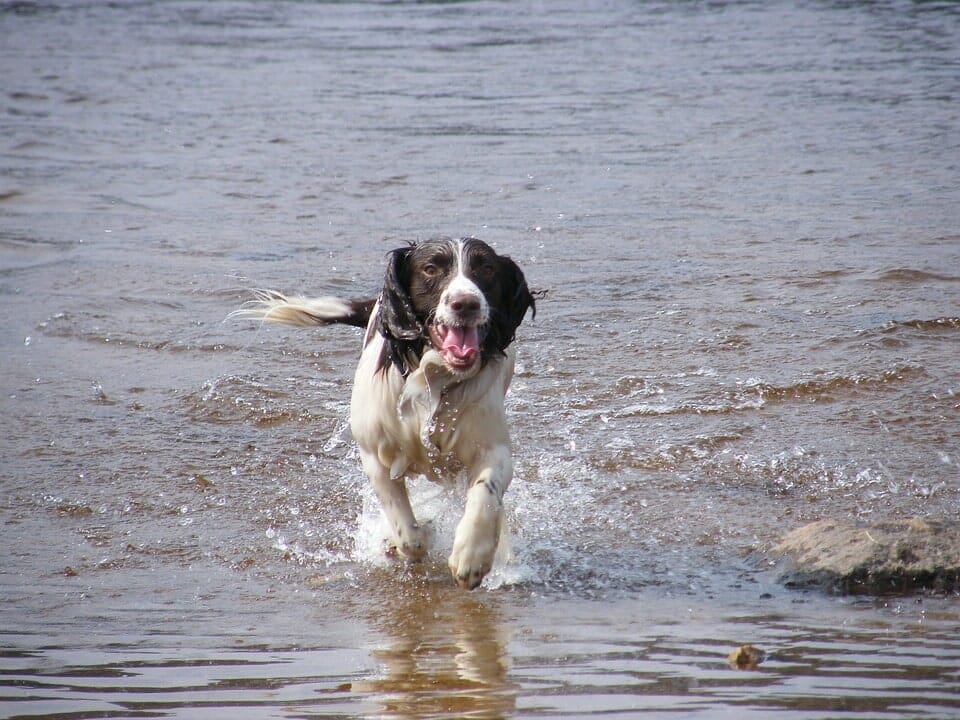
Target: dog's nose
point(464, 304)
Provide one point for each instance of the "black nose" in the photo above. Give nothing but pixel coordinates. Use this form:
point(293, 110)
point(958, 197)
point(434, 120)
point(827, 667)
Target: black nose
point(465, 304)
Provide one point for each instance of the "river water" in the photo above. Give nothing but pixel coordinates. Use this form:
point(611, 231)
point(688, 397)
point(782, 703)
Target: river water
point(745, 216)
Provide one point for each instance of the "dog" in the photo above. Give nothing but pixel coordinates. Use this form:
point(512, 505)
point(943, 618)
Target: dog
point(428, 393)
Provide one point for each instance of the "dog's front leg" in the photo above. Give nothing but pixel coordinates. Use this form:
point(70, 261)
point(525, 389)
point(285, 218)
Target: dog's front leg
point(475, 541)
point(409, 538)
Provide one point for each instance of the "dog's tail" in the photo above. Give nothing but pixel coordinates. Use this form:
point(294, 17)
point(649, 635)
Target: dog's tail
point(268, 305)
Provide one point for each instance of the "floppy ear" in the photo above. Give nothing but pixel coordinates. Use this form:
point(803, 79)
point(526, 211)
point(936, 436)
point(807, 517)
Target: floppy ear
point(515, 301)
point(398, 320)
point(402, 332)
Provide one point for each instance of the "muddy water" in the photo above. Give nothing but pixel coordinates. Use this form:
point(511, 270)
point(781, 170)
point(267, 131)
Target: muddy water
point(746, 219)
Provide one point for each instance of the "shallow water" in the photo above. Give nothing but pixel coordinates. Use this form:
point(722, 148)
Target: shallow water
point(746, 220)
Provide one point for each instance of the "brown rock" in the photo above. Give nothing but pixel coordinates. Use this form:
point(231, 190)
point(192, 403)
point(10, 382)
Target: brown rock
point(746, 657)
point(884, 557)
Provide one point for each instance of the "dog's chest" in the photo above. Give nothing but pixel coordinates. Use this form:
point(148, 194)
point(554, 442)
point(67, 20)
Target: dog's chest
point(442, 432)
point(439, 413)
point(436, 427)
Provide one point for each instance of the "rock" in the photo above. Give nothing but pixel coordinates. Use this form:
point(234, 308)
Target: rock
point(885, 557)
point(746, 657)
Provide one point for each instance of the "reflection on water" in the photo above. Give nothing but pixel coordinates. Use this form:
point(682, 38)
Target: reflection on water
point(444, 654)
point(406, 645)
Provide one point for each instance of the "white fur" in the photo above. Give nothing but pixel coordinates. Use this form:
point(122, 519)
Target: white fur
point(461, 286)
point(458, 288)
point(435, 422)
point(292, 310)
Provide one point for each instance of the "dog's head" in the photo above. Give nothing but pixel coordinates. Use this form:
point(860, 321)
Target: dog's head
point(457, 296)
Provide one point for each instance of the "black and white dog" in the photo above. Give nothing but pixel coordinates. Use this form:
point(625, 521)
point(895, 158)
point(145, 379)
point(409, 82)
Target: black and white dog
point(428, 392)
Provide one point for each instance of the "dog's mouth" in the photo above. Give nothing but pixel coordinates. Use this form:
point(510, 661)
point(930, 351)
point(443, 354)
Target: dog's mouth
point(459, 347)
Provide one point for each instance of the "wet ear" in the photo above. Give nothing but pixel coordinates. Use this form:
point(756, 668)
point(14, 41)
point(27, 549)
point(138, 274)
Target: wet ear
point(398, 320)
point(516, 300)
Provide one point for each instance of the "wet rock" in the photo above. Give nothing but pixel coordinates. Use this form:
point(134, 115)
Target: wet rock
point(746, 657)
point(884, 557)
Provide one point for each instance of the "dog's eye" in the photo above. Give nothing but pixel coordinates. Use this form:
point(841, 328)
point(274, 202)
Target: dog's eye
point(430, 270)
point(485, 270)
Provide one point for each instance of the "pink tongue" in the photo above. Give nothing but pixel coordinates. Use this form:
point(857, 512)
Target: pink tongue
point(462, 342)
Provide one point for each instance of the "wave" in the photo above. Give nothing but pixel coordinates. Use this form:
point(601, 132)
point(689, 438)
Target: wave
point(833, 387)
point(755, 394)
point(911, 275)
point(939, 324)
point(231, 399)
point(691, 408)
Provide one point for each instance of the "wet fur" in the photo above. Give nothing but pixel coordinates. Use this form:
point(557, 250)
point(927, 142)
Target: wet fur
point(412, 412)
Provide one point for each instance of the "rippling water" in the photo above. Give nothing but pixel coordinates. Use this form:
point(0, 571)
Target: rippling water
point(746, 219)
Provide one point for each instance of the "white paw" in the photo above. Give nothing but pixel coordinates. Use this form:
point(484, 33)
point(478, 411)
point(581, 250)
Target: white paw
point(474, 547)
point(412, 543)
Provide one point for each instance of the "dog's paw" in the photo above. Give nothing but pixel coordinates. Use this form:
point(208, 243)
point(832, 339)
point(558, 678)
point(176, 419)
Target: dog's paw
point(472, 557)
point(412, 543)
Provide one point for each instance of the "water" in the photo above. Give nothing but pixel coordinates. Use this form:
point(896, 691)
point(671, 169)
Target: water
point(746, 219)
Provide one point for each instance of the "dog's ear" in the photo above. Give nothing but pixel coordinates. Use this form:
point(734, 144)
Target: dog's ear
point(402, 332)
point(398, 319)
point(516, 299)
